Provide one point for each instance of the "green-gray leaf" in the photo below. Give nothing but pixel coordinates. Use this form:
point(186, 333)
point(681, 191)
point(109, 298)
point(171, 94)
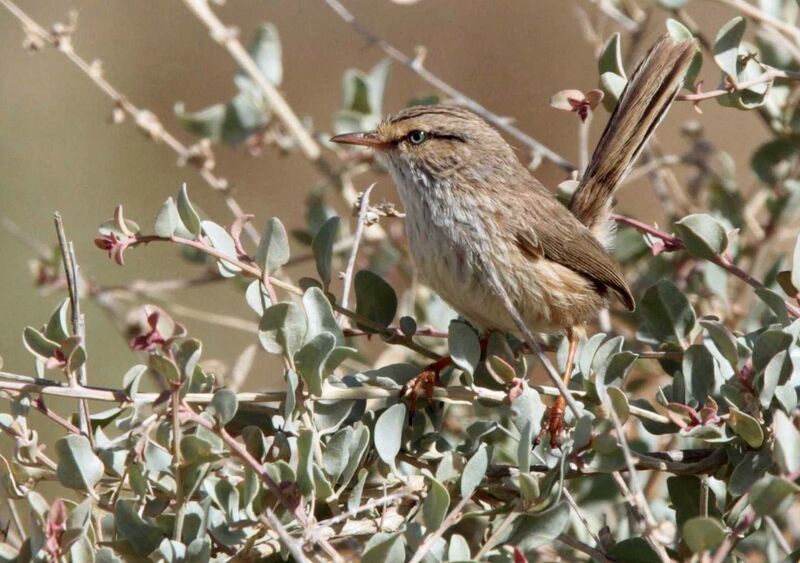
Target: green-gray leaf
point(702, 533)
point(222, 242)
point(787, 443)
point(273, 248)
point(283, 329)
point(611, 57)
point(464, 346)
point(746, 427)
point(320, 315)
point(726, 45)
point(770, 495)
point(38, 344)
point(223, 405)
point(703, 235)
point(189, 217)
point(167, 219)
point(389, 432)
point(435, 506)
point(78, 466)
point(322, 246)
point(375, 299)
point(311, 360)
point(305, 443)
point(474, 471)
point(667, 312)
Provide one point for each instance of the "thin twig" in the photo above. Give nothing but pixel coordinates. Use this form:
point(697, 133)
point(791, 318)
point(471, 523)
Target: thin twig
point(351, 261)
point(294, 546)
point(146, 120)
point(78, 322)
point(242, 453)
point(415, 65)
point(454, 394)
point(579, 513)
point(227, 37)
point(448, 523)
point(638, 502)
point(675, 243)
point(530, 340)
point(776, 532)
point(764, 18)
point(578, 545)
point(254, 271)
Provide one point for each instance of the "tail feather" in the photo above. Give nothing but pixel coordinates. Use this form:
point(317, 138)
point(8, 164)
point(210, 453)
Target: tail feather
point(641, 107)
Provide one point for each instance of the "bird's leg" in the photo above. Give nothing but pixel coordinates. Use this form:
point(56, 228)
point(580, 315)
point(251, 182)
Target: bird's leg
point(429, 378)
point(555, 420)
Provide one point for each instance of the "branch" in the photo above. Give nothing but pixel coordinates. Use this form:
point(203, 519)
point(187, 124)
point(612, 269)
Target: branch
point(78, 321)
point(674, 243)
point(458, 394)
point(249, 268)
point(450, 521)
point(351, 261)
point(415, 65)
point(765, 78)
point(241, 452)
point(227, 37)
point(146, 120)
point(762, 17)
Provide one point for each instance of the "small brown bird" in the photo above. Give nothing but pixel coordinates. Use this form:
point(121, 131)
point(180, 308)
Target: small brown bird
point(491, 239)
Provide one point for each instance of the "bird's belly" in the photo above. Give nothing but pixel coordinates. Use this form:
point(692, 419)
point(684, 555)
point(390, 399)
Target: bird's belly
point(549, 297)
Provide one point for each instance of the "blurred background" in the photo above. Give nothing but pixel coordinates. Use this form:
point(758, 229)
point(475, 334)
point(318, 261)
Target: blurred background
point(59, 150)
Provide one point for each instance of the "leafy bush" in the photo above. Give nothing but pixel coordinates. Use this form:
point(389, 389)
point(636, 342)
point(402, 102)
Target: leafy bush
point(183, 466)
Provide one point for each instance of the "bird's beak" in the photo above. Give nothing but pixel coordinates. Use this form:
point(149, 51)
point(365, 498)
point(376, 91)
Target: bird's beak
point(365, 139)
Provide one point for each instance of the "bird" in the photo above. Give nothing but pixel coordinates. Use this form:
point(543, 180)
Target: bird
point(492, 240)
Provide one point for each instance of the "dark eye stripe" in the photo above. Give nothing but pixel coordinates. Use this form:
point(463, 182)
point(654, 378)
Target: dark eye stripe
point(434, 135)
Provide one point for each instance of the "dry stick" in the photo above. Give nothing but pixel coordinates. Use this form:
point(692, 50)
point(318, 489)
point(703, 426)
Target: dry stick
point(351, 261)
point(78, 322)
point(12, 510)
point(448, 523)
point(146, 120)
point(733, 538)
point(609, 9)
point(496, 532)
point(178, 457)
point(416, 66)
point(776, 531)
point(369, 505)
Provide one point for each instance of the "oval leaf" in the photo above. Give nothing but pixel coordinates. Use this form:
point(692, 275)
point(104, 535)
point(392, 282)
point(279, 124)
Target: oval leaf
point(389, 432)
point(78, 466)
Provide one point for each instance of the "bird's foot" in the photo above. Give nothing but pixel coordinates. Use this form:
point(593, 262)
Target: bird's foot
point(553, 424)
point(424, 384)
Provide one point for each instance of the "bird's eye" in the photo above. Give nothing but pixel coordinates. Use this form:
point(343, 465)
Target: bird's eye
point(417, 137)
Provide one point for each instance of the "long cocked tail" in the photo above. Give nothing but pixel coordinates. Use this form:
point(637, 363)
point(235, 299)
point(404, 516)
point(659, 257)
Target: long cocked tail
point(641, 107)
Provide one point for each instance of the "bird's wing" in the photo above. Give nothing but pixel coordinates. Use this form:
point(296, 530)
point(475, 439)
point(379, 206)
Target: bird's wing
point(561, 238)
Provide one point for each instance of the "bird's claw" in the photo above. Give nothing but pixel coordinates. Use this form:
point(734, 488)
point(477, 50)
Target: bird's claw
point(424, 383)
point(553, 424)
